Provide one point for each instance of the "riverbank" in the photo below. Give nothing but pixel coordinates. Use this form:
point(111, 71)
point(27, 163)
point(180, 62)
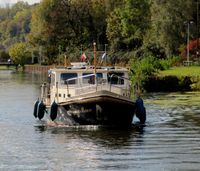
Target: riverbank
point(6, 67)
point(28, 68)
point(190, 71)
point(37, 68)
point(184, 78)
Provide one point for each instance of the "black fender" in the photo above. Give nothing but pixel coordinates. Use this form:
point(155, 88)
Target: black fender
point(35, 108)
point(140, 110)
point(41, 110)
point(53, 111)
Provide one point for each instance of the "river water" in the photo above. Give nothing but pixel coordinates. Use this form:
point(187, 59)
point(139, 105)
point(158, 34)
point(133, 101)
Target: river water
point(170, 140)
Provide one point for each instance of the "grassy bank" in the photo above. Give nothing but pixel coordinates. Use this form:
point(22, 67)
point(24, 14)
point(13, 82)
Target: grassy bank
point(6, 67)
point(183, 78)
point(182, 71)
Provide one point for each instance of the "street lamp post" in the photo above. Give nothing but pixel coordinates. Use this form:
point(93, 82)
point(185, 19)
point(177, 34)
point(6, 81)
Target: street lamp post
point(188, 39)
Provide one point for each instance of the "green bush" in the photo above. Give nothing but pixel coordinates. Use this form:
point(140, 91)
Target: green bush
point(146, 67)
point(169, 62)
point(167, 84)
point(141, 70)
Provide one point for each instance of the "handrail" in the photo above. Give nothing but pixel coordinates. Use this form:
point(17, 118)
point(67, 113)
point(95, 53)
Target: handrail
point(95, 82)
point(76, 78)
point(119, 77)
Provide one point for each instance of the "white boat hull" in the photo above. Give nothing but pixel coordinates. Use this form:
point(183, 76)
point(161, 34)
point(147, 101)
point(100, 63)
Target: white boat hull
point(99, 108)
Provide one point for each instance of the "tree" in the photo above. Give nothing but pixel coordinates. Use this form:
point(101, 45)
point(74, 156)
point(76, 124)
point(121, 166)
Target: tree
point(68, 24)
point(131, 28)
point(127, 24)
point(14, 25)
point(167, 30)
point(19, 54)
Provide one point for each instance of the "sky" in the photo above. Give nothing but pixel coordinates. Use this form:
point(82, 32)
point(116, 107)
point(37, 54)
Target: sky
point(4, 2)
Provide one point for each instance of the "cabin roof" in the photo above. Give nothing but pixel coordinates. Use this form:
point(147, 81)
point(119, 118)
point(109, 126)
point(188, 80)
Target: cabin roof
point(83, 67)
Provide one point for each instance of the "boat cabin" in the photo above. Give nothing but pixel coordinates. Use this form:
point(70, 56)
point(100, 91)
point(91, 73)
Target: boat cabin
point(79, 79)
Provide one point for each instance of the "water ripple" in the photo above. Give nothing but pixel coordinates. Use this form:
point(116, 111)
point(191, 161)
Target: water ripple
point(170, 140)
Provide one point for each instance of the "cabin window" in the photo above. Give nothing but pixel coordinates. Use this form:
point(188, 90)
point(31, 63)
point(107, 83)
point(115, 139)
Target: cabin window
point(116, 78)
point(66, 76)
point(90, 78)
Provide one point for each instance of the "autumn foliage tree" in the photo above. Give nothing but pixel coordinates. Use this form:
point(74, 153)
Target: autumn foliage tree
point(131, 29)
point(19, 54)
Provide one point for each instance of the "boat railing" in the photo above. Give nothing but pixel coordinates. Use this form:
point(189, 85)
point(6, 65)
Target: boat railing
point(95, 83)
point(80, 85)
point(121, 80)
point(45, 92)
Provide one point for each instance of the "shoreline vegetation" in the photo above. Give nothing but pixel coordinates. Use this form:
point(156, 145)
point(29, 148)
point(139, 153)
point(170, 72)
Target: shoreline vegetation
point(6, 67)
point(181, 71)
point(146, 36)
point(181, 78)
point(46, 32)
